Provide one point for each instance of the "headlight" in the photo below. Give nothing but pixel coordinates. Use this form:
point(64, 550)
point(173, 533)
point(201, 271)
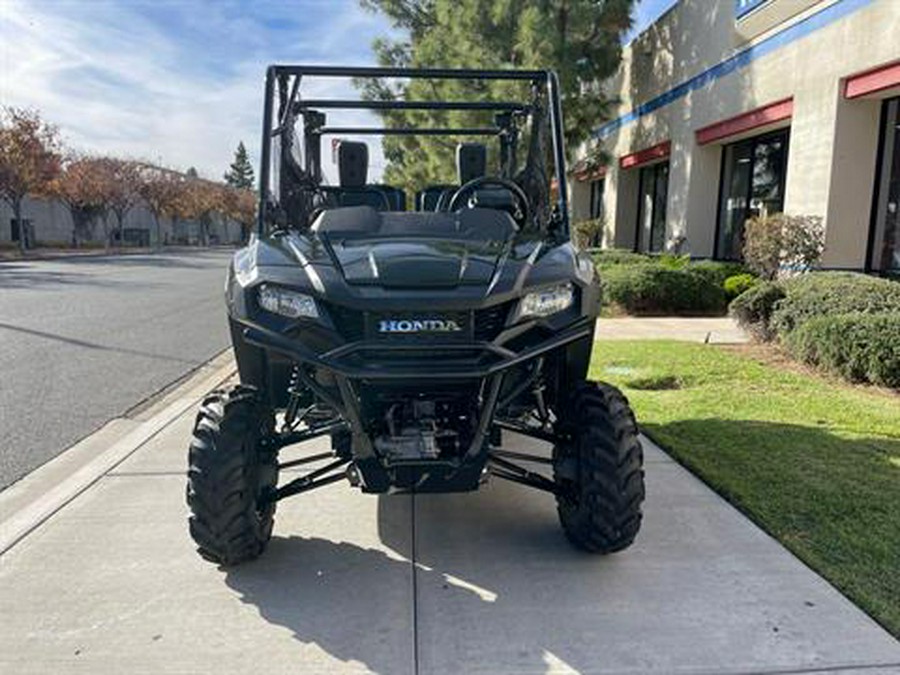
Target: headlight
point(245, 269)
point(585, 268)
point(287, 303)
point(547, 301)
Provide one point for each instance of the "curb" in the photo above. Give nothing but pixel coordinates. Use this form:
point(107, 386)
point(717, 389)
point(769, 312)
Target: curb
point(24, 521)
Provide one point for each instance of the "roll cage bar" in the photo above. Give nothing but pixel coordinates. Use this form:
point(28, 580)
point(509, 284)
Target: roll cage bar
point(285, 80)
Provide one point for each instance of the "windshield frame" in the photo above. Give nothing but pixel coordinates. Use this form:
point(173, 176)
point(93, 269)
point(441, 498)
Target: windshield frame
point(283, 107)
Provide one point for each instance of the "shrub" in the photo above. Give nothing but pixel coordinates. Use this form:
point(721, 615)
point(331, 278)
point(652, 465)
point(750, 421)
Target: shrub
point(619, 256)
point(717, 271)
point(858, 346)
point(754, 307)
point(830, 293)
point(673, 262)
point(653, 289)
point(737, 284)
point(589, 233)
point(777, 241)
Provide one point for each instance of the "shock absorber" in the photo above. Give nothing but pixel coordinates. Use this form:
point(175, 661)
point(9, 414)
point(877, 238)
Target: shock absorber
point(295, 390)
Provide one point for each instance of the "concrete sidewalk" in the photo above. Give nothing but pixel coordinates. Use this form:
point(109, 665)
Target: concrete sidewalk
point(715, 330)
point(477, 583)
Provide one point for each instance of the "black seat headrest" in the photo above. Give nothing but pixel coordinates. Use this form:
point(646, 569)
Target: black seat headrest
point(471, 161)
point(353, 163)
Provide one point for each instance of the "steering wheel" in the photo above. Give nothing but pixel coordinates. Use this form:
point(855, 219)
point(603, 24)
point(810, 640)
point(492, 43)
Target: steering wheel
point(493, 181)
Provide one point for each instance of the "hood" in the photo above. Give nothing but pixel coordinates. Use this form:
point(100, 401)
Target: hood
point(417, 262)
point(420, 250)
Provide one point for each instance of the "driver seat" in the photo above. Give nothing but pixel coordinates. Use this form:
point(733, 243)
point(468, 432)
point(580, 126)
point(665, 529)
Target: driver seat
point(471, 163)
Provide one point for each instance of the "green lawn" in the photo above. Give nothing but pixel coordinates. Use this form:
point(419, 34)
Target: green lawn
point(814, 462)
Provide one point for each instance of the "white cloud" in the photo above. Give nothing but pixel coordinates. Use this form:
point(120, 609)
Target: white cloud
point(180, 87)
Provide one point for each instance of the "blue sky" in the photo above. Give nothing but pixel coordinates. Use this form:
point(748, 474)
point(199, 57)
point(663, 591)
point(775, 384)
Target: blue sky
point(645, 13)
point(177, 82)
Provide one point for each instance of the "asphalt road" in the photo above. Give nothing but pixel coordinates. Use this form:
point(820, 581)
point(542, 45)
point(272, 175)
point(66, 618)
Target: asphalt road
point(82, 340)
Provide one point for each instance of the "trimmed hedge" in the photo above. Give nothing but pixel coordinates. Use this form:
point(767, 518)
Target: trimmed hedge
point(739, 283)
point(619, 256)
point(858, 346)
point(754, 307)
point(831, 293)
point(716, 272)
point(652, 289)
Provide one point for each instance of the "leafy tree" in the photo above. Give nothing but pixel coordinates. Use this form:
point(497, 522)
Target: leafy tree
point(124, 192)
point(29, 159)
point(240, 206)
point(240, 173)
point(200, 201)
point(85, 186)
point(580, 39)
point(160, 189)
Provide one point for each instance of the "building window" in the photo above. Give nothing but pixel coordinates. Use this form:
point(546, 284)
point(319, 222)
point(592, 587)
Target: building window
point(597, 187)
point(653, 195)
point(886, 251)
point(753, 176)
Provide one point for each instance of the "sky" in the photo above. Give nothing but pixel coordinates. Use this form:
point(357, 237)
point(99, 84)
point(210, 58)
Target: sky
point(179, 82)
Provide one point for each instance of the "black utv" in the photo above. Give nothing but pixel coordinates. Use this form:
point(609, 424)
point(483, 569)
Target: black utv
point(421, 341)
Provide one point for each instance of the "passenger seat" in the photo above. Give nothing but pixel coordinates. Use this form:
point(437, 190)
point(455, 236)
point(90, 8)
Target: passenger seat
point(353, 168)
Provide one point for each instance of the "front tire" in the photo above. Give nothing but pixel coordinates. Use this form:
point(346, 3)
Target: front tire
point(228, 474)
point(599, 470)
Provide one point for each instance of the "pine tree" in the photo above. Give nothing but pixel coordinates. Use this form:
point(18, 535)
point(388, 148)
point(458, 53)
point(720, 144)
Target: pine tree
point(240, 173)
point(580, 39)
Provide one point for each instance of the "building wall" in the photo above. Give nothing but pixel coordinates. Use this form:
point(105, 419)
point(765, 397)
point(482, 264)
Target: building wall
point(52, 223)
point(833, 143)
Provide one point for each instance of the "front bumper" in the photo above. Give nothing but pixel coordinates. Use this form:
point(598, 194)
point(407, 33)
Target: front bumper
point(375, 360)
point(372, 360)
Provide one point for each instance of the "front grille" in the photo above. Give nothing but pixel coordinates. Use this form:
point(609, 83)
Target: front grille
point(489, 322)
point(429, 326)
point(349, 323)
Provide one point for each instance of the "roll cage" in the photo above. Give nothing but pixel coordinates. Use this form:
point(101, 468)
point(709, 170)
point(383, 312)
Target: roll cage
point(284, 179)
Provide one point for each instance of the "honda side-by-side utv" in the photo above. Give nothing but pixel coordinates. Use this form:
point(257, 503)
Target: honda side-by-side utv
point(420, 341)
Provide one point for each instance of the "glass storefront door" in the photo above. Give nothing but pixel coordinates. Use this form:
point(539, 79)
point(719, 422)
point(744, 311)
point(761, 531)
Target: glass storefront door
point(886, 249)
point(653, 196)
point(753, 177)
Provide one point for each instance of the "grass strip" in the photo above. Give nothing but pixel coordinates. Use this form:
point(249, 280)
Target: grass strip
point(814, 462)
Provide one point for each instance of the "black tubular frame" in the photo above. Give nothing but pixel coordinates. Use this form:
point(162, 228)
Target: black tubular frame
point(412, 131)
point(325, 104)
point(275, 75)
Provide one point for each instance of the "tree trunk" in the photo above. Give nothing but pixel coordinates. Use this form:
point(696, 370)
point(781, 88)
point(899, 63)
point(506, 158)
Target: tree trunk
point(158, 231)
point(17, 214)
point(120, 218)
point(76, 222)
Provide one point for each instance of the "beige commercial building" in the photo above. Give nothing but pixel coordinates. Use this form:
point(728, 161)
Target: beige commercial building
point(731, 108)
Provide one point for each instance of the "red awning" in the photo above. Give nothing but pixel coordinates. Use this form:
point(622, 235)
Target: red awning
point(760, 117)
point(646, 156)
point(873, 81)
